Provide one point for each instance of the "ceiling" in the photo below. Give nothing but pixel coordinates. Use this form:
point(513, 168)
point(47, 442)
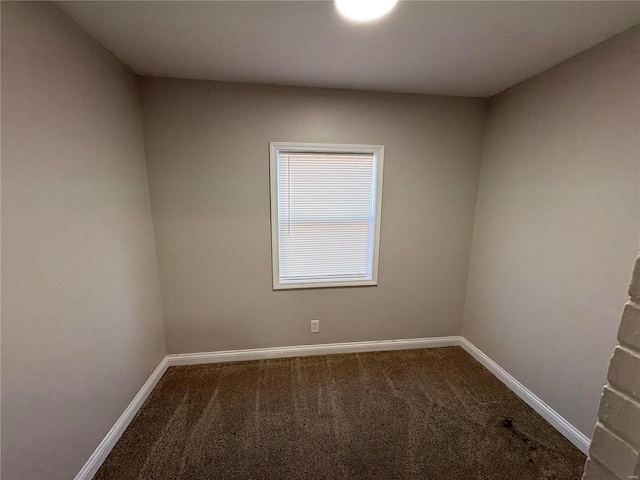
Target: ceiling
point(449, 48)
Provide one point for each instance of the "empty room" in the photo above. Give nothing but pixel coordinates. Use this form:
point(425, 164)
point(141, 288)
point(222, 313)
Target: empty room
point(307, 240)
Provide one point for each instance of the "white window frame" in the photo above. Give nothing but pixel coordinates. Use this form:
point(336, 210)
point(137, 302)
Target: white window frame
point(274, 149)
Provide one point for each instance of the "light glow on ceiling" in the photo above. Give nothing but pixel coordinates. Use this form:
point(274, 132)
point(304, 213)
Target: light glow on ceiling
point(364, 10)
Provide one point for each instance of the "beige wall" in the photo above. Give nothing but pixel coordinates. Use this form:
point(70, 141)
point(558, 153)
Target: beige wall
point(208, 157)
point(81, 310)
point(556, 225)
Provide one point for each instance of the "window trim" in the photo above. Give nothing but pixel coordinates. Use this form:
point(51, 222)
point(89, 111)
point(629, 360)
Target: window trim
point(274, 148)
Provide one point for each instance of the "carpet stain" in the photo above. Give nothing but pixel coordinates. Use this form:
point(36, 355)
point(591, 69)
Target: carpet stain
point(431, 414)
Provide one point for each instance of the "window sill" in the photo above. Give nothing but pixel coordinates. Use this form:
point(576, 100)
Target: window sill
point(337, 284)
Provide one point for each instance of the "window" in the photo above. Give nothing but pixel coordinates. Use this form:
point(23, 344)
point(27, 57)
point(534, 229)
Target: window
point(325, 214)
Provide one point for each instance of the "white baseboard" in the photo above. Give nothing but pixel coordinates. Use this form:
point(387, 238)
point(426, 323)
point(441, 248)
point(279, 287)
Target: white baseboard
point(307, 350)
point(550, 415)
point(100, 454)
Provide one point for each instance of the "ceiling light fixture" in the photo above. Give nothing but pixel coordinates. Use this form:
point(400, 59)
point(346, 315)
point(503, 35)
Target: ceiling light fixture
point(364, 10)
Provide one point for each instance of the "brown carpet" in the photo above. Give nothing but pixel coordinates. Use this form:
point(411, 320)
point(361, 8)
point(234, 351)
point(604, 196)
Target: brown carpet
point(431, 414)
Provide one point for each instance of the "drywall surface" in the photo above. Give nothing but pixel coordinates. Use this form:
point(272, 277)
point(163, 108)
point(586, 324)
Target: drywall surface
point(557, 223)
point(81, 309)
point(208, 161)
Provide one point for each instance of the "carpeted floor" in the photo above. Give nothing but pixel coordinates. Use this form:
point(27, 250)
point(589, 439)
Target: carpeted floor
point(432, 414)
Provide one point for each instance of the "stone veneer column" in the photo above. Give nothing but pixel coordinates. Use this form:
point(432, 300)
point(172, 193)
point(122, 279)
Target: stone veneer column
point(614, 452)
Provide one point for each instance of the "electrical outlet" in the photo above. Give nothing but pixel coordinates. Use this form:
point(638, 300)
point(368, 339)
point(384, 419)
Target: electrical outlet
point(315, 326)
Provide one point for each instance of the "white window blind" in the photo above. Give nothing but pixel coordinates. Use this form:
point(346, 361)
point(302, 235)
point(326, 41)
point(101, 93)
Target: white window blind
point(326, 216)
